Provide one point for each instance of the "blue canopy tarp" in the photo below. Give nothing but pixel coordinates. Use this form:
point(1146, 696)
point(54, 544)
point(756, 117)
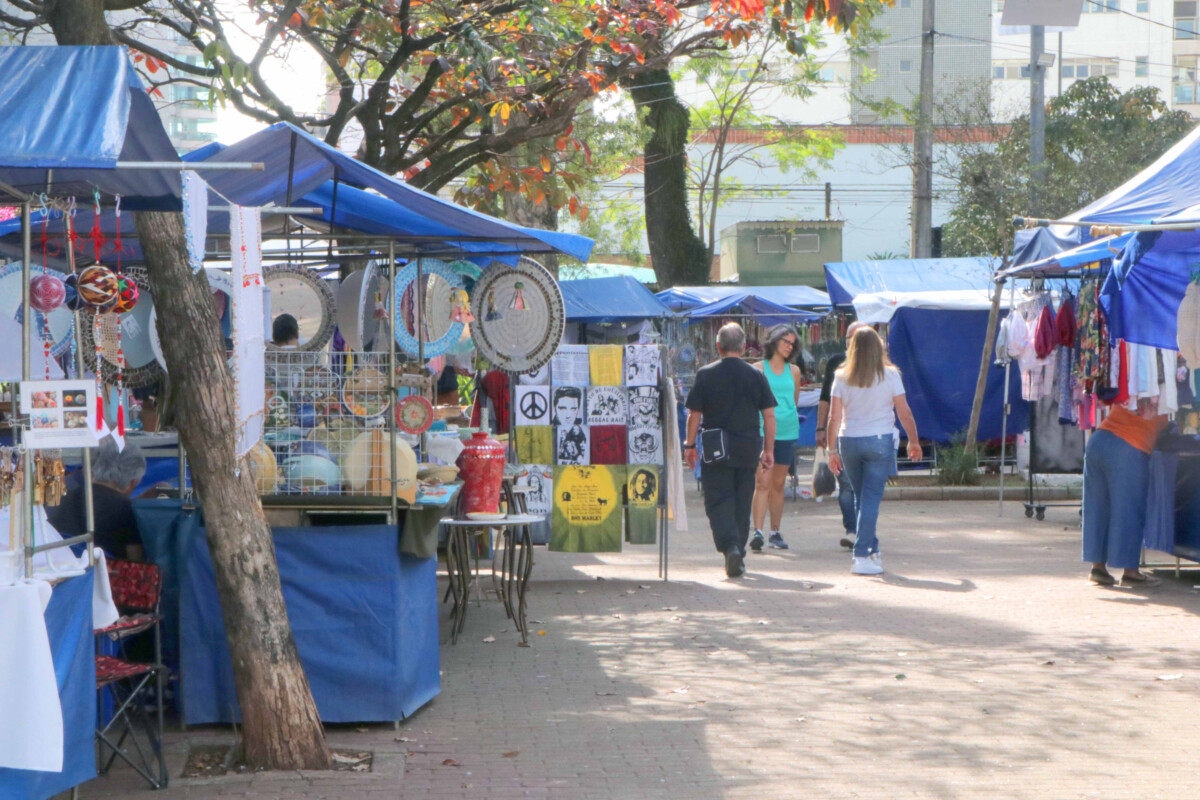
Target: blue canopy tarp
point(610, 300)
point(844, 280)
point(1142, 294)
point(765, 312)
point(684, 297)
point(937, 352)
point(299, 164)
point(1093, 252)
point(71, 114)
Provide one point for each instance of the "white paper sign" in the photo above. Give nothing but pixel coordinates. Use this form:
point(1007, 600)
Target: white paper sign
point(533, 405)
point(572, 445)
point(569, 366)
point(641, 365)
point(540, 479)
point(606, 405)
point(61, 413)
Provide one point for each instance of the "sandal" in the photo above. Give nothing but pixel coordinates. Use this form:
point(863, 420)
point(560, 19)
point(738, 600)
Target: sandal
point(1140, 579)
point(1102, 577)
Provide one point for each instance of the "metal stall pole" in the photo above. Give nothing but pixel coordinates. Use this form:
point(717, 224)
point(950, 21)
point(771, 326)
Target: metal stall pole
point(1012, 290)
point(419, 298)
point(394, 518)
point(26, 316)
point(88, 498)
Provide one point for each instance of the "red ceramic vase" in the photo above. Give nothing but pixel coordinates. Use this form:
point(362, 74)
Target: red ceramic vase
point(481, 467)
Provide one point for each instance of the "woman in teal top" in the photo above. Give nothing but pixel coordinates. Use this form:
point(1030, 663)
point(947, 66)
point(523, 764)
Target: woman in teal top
point(784, 379)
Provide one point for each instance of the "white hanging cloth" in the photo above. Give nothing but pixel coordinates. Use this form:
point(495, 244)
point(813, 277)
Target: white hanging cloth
point(195, 218)
point(249, 345)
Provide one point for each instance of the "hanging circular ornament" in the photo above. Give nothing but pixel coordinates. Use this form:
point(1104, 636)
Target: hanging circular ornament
point(414, 414)
point(46, 292)
point(138, 338)
point(306, 296)
point(519, 315)
point(97, 287)
point(71, 297)
point(127, 294)
point(442, 329)
point(60, 320)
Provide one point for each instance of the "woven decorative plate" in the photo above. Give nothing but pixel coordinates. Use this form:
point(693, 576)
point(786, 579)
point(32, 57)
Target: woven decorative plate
point(414, 414)
point(138, 338)
point(62, 319)
point(442, 331)
point(365, 394)
point(519, 316)
point(307, 297)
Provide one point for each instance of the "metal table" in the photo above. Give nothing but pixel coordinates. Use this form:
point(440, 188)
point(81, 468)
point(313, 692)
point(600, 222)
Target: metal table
point(515, 565)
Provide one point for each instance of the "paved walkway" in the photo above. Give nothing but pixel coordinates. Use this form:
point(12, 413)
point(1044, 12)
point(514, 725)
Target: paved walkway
point(982, 665)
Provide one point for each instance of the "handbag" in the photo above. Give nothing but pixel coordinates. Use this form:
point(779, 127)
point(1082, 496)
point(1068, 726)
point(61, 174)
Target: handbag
point(824, 482)
point(713, 447)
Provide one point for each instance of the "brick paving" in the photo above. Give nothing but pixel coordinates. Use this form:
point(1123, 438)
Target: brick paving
point(982, 665)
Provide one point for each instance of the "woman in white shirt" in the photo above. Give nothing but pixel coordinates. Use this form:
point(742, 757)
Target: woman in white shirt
point(867, 396)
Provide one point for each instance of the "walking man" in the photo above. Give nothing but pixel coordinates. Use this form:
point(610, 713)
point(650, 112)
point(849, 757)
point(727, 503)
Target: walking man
point(728, 399)
point(845, 490)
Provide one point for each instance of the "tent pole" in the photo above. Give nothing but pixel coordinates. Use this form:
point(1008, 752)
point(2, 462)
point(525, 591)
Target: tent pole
point(196, 166)
point(26, 510)
point(391, 381)
point(1012, 291)
point(89, 502)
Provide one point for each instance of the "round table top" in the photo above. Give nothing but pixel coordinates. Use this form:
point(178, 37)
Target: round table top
point(510, 520)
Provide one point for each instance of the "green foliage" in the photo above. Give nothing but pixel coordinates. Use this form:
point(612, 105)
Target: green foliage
point(957, 465)
point(1096, 138)
point(885, 255)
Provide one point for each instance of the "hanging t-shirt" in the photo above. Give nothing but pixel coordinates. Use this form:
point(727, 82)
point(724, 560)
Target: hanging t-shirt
point(587, 509)
point(869, 410)
point(641, 516)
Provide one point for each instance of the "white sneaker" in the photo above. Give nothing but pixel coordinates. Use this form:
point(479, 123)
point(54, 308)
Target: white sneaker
point(871, 565)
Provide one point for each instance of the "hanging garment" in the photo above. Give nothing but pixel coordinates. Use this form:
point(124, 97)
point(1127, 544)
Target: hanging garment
point(1002, 356)
point(1018, 334)
point(608, 444)
point(1168, 395)
point(641, 516)
point(1064, 322)
point(587, 509)
point(605, 364)
point(1067, 413)
point(535, 444)
point(1122, 374)
point(495, 387)
point(1188, 322)
point(1091, 344)
point(1045, 336)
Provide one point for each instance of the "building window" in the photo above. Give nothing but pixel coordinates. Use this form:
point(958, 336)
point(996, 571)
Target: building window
point(1185, 19)
point(828, 74)
point(806, 243)
point(1143, 6)
point(1141, 67)
point(772, 243)
point(906, 3)
point(1088, 69)
point(998, 72)
point(905, 65)
point(1101, 6)
point(1183, 81)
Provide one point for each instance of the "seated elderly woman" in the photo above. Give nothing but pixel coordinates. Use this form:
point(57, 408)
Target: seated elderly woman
point(114, 477)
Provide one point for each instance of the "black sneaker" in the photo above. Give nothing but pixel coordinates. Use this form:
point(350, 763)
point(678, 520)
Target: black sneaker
point(776, 541)
point(756, 541)
point(847, 541)
point(734, 566)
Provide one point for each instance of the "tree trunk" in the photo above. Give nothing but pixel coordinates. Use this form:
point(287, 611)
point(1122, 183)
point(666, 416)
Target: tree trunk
point(281, 728)
point(985, 364)
point(678, 256)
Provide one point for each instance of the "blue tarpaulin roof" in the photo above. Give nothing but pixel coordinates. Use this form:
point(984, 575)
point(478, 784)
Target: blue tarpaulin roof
point(610, 300)
point(70, 114)
point(684, 297)
point(298, 161)
point(356, 210)
point(764, 311)
point(1096, 250)
point(846, 279)
point(1142, 294)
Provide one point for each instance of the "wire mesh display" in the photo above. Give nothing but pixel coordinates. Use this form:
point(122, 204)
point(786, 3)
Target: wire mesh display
point(328, 424)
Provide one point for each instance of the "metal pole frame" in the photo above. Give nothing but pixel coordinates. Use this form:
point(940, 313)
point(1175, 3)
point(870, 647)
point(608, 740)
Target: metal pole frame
point(391, 381)
point(26, 328)
point(1012, 293)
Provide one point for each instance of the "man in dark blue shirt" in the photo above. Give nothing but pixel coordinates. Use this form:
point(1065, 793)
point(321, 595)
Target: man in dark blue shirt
point(729, 396)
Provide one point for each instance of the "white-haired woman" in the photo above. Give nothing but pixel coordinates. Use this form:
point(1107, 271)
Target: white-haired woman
point(868, 396)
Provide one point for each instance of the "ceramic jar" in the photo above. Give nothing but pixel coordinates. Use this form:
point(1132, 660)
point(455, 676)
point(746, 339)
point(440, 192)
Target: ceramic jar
point(481, 468)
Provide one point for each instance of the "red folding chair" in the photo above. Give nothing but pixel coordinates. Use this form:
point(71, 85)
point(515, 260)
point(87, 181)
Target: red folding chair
point(133, 733)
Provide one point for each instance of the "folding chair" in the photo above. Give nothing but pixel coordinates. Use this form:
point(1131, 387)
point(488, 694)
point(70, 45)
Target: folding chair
point(136, 590)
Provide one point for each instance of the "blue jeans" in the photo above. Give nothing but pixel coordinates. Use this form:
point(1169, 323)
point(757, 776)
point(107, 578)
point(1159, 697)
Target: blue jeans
point(1116, 479)
point(867, 462)
point(846, 503)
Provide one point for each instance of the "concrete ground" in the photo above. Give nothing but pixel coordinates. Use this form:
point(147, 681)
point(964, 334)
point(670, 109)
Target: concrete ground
point(982, 665)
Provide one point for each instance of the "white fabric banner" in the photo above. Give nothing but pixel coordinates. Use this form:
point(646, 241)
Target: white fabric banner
point(249, 361)
point(195, 218)
point(32, 734)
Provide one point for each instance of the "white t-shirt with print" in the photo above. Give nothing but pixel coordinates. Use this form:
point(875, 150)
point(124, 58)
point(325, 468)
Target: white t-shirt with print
point(869, 410)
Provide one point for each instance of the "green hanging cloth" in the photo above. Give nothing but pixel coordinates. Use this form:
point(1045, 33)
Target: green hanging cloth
point(587, 509)
point(641, 515)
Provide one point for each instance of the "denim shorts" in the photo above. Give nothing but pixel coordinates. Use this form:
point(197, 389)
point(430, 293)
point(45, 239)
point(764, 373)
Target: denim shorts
point(785, 453)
